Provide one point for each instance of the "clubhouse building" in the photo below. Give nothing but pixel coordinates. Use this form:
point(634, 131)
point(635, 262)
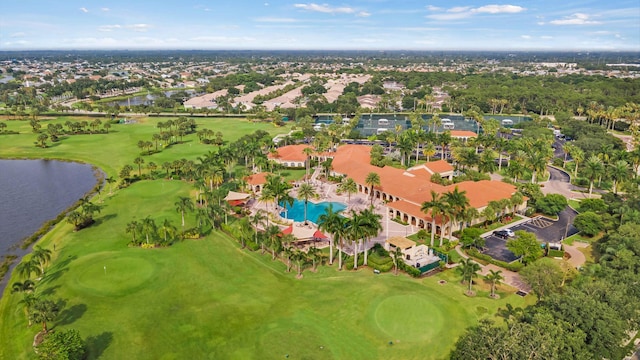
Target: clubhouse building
point(403, 191)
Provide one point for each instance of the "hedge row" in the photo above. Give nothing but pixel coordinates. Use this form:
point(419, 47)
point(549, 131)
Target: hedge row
point(516, 266)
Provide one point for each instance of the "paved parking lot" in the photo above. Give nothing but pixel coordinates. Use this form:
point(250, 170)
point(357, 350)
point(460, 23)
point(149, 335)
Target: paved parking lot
point(546, 230)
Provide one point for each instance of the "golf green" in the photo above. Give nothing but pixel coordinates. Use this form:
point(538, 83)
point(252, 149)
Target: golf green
point(420, 320)
point(111, 274)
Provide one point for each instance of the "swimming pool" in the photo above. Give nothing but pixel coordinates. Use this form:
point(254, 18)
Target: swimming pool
point(296, 212)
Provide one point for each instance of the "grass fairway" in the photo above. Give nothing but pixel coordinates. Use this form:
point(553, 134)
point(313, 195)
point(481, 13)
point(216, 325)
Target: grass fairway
point(209, 299)
point(112, 151)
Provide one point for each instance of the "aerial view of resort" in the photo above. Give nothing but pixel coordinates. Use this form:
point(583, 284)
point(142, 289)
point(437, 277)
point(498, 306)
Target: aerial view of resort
point(336, 180)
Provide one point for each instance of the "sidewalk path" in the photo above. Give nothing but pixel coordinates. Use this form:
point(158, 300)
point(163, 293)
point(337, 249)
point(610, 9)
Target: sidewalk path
point(577, 257)
point(511, 278)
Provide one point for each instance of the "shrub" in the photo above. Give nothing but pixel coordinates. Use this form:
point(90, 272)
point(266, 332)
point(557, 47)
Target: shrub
point(551, 204)
point(252, 245)
point(555, 253)
point(422, 234)
point(348, 262)
point(589, 223)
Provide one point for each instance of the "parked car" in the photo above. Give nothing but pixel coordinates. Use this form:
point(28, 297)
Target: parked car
point(506, 233)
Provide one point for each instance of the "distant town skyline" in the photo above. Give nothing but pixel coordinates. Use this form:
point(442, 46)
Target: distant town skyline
point(544, 25)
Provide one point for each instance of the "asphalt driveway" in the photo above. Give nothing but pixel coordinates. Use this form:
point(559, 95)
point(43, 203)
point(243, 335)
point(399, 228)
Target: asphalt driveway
point(545, 229)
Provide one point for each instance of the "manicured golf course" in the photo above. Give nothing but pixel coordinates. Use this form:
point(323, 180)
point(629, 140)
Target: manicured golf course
point(208, 298)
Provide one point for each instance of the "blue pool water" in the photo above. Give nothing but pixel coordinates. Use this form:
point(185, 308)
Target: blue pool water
point(296, 212)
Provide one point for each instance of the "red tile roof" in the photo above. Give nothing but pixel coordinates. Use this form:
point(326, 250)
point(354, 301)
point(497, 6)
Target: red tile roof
point(257, 179)
point(463, 133)
point(290, 153)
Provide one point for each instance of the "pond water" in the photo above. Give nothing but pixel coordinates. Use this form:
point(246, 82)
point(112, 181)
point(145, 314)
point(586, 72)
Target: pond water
point(35, 191)
point(314, 210)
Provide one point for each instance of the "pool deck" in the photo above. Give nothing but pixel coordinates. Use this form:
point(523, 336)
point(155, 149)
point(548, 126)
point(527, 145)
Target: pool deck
point(359, 201)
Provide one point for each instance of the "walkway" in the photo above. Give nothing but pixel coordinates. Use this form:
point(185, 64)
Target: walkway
point(511, 278)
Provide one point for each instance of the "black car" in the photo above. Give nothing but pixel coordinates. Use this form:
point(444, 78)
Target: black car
point(501, 234)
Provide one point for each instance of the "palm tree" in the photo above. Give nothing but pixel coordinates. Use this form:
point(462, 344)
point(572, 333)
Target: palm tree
point(516, 200)
point(458, 201)
point(139, 161)
point(167, 229)
point(110, 180)
point(308, 151)
point(536, 161)
point(468, 269)
point(314, 254)
point(273, 240)
point(258, 219)
point(41, 256)
point(372, 179)
point(593, 169)
point(331, 222)
point(306, 191)
point(578, 156)
point(349, 186)
point(436, 205)
point(494, 277)
point(355, 230)
point(148, 227)
point(397, 257)
point(299, 257)
point(183, 204)
point(26, 286)
point(28, 300)
point(444, 139)
point(372, 227)
point(619, 172)
point(27, 267)
point(43, 310)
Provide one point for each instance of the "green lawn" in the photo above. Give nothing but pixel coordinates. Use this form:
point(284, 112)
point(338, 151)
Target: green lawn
point(208, 298)
point(112, 151)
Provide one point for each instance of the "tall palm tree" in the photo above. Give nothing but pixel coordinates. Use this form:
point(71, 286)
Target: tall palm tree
point(28, 300)
point(619, 172)
point(306, 191)
point(41, 256)
point(258, 219)
point(494, 276)
point(372, 227)
point(468, 269)
point(372, 179)
point(299, 257)
point(148, 226)
point(435, 205)
point(274, 243)
point(355, 231)
point(26, 286)
point(516, 200)
point(308, 151)
point(44, 310)
point(593, 168)
point(315, 254)
point(578, 156)
point(332, 223)
point(349, 186)
point(459, 202)
point(183, 205)
point(444, 139)
point(397, 257)
point(27, 267)
point(133, 227)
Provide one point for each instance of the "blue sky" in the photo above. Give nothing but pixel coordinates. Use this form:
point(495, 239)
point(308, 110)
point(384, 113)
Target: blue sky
point(357, 24)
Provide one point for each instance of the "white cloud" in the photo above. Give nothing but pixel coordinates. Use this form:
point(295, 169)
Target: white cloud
point(546, 37)
point(363, 14)
point(107, 28)
point(138, 27)
point(105, 9)
point(221, 39)
point(84, 10)
point(575, 19)
point(499, 9)
point(325, 8)
point(462, 12)
point(134, 27)
point(18, 34)
point(527, 37)
point(276, 20)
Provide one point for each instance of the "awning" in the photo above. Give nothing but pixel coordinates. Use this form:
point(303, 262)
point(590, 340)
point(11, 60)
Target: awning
point(319, 235)
point(232, 196)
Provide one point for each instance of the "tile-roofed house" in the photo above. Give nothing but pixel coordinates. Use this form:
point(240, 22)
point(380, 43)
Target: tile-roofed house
point(439, 166)
point(463, 135)
point(257, 181)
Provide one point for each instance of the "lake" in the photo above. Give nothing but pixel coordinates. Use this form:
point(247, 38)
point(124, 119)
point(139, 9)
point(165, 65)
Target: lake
point(35, 191)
